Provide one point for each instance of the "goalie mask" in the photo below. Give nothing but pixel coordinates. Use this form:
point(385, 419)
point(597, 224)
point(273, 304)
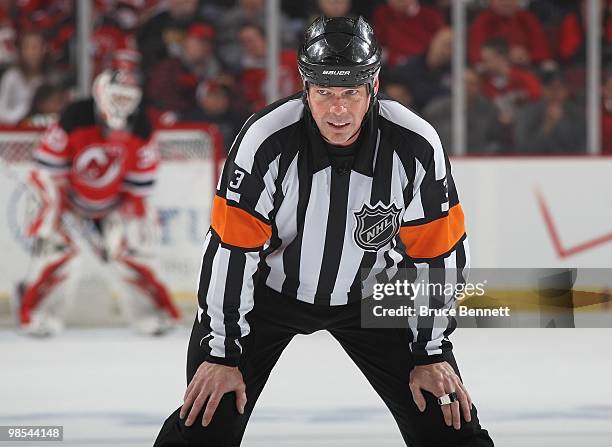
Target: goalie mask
point(117, 94)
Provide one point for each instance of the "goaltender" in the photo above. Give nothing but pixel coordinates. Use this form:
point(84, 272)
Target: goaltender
point(319, 188)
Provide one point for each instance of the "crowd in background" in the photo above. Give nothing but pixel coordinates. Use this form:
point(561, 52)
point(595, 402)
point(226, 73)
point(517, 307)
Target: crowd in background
point(205, 61)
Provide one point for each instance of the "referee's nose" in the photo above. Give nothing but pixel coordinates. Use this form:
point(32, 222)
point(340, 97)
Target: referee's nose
point(338, 106)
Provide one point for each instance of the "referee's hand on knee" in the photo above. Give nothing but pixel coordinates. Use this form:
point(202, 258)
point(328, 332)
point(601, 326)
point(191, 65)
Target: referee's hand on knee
point(209, 384)
point(440, 380)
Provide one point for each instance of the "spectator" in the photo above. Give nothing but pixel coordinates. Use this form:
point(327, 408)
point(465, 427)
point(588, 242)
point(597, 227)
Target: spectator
point(172, 83)
point(552, 125)
point(483, 127)
point(333, 8)
point(7, 45)
point(214, 106)
point(572, 42)
point(253, 74)
point(249, 11)
point(162, 35)
point(55, 21)
point(400, 92)
point(116, 32)
point(606, 115)
point(20, 81)
point(405, 28)
point(429, 75)
point(509, 87)
point(394, 87)
point(521, 29)
point(47, 104)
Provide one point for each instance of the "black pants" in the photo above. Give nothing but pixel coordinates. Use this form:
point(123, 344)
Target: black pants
point(382, 355)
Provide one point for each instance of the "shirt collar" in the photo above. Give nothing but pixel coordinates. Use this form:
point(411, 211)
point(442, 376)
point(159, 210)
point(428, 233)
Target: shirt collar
point(366, 143)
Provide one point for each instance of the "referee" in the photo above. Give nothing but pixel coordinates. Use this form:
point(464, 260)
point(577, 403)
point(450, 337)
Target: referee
point(321, 190)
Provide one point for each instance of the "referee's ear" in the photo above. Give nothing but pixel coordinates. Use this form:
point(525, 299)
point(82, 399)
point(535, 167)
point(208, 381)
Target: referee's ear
point(376, 85)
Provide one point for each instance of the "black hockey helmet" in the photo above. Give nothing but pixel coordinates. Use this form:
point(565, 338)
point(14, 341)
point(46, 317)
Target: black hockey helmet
point(338, 52)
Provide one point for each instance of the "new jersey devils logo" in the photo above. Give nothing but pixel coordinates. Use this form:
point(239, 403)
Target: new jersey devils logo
point(99, 166)
point(376, 226)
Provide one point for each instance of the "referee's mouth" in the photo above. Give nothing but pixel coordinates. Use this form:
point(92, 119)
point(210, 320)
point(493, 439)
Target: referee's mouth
point(338, 125)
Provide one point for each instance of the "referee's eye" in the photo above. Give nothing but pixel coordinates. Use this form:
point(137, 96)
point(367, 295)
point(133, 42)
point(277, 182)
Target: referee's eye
point(322, 92)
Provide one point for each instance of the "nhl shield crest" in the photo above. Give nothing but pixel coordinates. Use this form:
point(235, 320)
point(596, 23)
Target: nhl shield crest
point(376, 226)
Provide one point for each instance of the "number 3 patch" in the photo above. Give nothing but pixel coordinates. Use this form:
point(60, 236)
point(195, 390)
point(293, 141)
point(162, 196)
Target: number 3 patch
point(237, 178)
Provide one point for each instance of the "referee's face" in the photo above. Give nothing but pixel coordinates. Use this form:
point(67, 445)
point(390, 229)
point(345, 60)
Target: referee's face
point(339, 111)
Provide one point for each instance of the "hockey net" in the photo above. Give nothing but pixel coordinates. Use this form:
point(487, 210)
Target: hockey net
point(192, 155)
point(185, 141)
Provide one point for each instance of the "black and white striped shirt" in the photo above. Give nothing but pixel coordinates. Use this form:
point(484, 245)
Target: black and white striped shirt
point(309, 231)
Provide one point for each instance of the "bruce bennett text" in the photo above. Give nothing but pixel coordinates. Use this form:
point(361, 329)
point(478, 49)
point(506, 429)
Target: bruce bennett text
point(425, 311)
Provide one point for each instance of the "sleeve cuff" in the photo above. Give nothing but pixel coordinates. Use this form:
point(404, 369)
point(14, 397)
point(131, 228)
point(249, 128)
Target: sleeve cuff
point(222, 360)
point(421, 358)
point(428, 359)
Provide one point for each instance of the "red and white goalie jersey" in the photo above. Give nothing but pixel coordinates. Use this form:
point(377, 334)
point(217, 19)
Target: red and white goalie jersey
point(98, 177)
point(99, 168)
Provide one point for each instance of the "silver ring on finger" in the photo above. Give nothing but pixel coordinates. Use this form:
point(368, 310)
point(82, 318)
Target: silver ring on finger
point(448, 399)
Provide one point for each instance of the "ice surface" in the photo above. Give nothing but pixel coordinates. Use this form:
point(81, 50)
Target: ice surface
point(108, 387)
